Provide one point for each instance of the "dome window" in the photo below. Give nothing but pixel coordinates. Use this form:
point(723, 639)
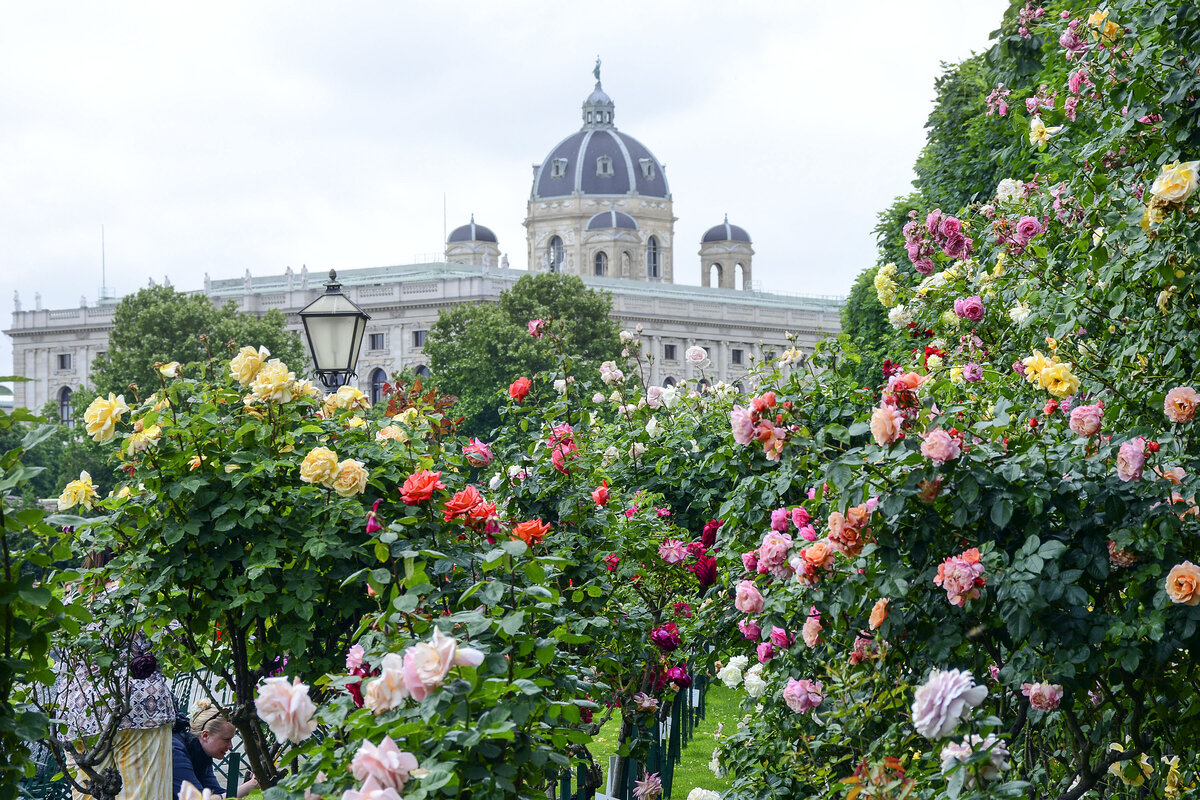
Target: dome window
point(601, 264)
point(554, 254)
point(647, 168)
point(652, 257)
point(604, 167)
point(558, 168)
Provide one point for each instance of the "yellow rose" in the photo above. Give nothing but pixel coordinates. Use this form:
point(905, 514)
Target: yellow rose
point(956, 376)
point(933, 364)
point(121, 493)
point(885, 284)
point(355, 422)
point(168, 370)
point(81, 492)
point(1039, 134)
point(950, 319)
point(319, 466)
point(246, 363)
point(1131, 772)
point(407, 417)
point(391, 433)
point(1034, 365)
point(346, 397)
point(142, 439)
point(1097, 18)
point(351, 478)
point(101, 418)
point(306, 388)
point(1058, 380)
point(274, 382)
point(1175, 183)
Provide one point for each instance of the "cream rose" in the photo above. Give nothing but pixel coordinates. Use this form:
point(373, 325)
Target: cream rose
point(246, 363)
point(101, 418)
point(274, 382)
point(387, 691)
point(81, 492)
point(320, 466)
point(286, 708)
point(1176, 182)
point(351, 478)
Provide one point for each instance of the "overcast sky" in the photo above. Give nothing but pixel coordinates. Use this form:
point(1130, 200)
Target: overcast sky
point(219, 137)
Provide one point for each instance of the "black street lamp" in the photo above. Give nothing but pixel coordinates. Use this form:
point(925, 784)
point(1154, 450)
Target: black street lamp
point(334, 326)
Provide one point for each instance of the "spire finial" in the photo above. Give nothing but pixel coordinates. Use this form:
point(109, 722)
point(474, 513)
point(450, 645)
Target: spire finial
point(726, 217)
point(596, 70)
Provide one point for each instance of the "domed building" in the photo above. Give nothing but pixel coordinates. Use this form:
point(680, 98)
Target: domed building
point(725, 255)
point(600, 204)
point(472, 244)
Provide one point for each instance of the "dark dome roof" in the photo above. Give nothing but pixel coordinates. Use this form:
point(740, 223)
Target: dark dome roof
point(612, 219)
point(633, 167)
point(725, 233)
point(472, 233)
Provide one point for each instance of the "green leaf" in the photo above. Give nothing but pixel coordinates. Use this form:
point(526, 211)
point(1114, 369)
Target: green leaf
point(1001, 513)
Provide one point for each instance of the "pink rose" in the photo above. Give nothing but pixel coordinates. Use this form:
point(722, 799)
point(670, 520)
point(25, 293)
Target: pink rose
point(286, 708)
point(426, 664)
point(808, 533)
point(370, 790)
point(885, 424)
point(749, 600)
point(800, 516)
point(970, 308)
point(388, 690)
point(387, 764)
point(972, 372)
point(536, 327)
point(742, 425)
point(477, 453)
point(811, 632)
point(774, 551)
point(354, 657)
point(766, 651)
point(750, 629)
point(803, 695)
point(1085, 420)
point(750, 561)
point(780, 637)
point(1180, 404)
point(1131, 459)
point(942, 701)
point(779, 520)
point(951, 226)
point(1027, 228)
point(940, 447)
point(672, 551)
point(1043, 696)
point(654, 397)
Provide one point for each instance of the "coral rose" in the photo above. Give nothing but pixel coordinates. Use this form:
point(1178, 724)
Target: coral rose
point(819, 553)
point(320, 466)
point(879, 613)
point(748, 600)
point(1180, 404)
point(461, 503)
point(1183, 584)
point(531, 531)
point(885, 424)
point(286, 708)
point(600, 494)
point(519, 388)
point(420, 486)
point(351, 478)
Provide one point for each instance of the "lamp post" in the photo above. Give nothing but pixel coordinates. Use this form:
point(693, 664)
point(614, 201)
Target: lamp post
point(334, 327)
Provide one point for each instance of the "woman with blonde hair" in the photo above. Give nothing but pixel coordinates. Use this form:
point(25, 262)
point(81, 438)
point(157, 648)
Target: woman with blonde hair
point(207, 738)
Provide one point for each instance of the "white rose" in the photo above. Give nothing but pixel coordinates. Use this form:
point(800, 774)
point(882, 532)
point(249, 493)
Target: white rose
point(560, 386)
point(496, 481)
point(1009, 190)
point(611, 454)
point(637, 449)
point(753, 679)
point(652, 428)
point(670, 396)
point(696, 355)
point(1019, 313)
point(899, 317)
point(598, 397)
point(703, 794)
point(730, 675)
point(626, 337)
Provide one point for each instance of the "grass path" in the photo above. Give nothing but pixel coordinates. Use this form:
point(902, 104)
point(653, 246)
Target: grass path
point(692, 771)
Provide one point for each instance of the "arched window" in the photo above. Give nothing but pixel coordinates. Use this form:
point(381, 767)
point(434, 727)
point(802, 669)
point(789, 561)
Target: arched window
point(421, 371)
point(378, 379)
point(740, 276)
point(652, 257)
point(554, 253)
point(669, 382)
point(714, 275)
point(64, 405)
point(601, 262)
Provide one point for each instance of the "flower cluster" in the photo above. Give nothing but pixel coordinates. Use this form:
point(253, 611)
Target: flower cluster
point(961, 576)
point(416, 672)
point(758, 423)
point(322, 467)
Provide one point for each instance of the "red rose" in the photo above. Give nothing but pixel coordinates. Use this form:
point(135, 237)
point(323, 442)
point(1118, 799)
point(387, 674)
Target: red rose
point(519, 388)
point(462, 503)
point(600, 494)
point(420, 486)
point(531, 531)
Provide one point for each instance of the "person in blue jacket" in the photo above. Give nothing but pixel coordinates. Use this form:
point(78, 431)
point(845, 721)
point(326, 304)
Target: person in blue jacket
point(197, 744)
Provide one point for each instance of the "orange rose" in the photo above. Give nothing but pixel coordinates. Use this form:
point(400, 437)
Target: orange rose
point(1180, 404)
point(462, 503)
point(1183, 584)
point(420, 486)
point(879, 613)
point(819, 554)
point(858, 516)
point(531, 531)
point(519, 388)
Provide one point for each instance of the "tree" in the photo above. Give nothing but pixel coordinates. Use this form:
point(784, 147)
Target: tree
point(159, 324)
point(478, 350)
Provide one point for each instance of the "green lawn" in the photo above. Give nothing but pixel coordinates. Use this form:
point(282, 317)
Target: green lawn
point(692, 770)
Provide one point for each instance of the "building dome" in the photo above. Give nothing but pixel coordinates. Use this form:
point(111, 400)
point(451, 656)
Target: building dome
point(725, 233)
point(612, 219)
point(472, 233)
point(599, 160)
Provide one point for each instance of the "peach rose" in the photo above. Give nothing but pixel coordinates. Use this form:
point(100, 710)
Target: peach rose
point(1183, 584)
point(885, 424)
point(879, 613)
point(1085, 420)
point(1180, 404)
point(819, 553)
point(749, 600)
point(940, 447)
point(351, 478)
point(1131, 459)
point(426, 664)
point(286, 708)
point(811, 631)
point(388, 690)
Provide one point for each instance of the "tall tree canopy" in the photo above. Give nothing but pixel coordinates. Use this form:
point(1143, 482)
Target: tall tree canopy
point(161, 324)
point(478, 350)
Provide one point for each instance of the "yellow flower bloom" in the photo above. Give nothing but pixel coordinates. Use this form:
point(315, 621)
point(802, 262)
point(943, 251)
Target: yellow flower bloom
point(351, 478)
point(121, 493)
point(1176, 182)
point(319, 466)
point(1039, 134)
point(142, 439)
point(81, 492)
point(194, 462)
point(1058, 380)
point(346, 397)
point(168, 370)
point(1131, 772)
point(306, 388)
point(355, 422)
point(407, 417)
point(1034, 365)
point(885, 284)
point(956, 376)
point(391, 433)
point(101, 418)
point(246, 363)
point(274, 382)
point(232, 468)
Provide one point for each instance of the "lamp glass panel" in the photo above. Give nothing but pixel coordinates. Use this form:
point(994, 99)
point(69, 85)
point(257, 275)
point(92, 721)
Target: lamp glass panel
point(331, 339)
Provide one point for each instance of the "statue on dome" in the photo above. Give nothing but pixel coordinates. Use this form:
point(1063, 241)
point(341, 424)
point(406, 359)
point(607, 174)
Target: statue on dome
point(596, 71)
